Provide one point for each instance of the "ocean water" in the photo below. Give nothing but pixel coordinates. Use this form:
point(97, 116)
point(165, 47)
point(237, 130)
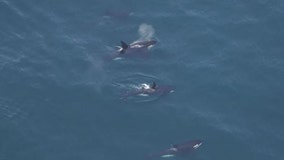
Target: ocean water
point(60, 97)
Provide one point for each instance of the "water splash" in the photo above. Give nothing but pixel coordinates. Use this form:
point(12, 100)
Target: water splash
point(146, 31)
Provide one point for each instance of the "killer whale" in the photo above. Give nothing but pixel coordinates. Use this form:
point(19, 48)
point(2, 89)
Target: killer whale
point(178, 149)
point(135, 46)
point(135, 49)
point(149, 90)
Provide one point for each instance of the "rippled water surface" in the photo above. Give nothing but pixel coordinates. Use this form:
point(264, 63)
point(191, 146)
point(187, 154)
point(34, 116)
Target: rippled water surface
point(61, 89)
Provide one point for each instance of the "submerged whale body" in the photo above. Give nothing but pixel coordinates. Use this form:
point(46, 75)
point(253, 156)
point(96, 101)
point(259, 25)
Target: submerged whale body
point(178, 149)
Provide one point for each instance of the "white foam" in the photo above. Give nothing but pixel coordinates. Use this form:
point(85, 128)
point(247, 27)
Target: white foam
point(197, 145)
point(145, 86)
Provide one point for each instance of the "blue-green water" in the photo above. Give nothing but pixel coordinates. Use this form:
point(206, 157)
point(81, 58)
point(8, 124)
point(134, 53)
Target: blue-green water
point(60, 98)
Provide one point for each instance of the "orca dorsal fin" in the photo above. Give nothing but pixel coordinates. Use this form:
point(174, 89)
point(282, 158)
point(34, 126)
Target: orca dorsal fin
point(154, 85)
point(124, 45)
